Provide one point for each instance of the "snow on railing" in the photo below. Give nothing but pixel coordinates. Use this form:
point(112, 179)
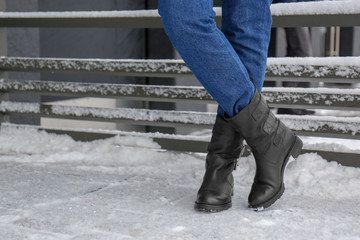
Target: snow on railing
point(333, 126)
point(314, 97)
point(300, 14)
point(310, 97)
point(284, 9)
point(314, 67)
point(316, 8)
point(293, 14)
point(343, 67)
point(117, 66)
point(6, 106)
point(81, 14)
point(108, 90)
point(326, 124)
point(109, 114)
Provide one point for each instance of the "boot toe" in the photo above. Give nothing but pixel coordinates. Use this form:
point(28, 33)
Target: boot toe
point(212, 198)
point(262, 196)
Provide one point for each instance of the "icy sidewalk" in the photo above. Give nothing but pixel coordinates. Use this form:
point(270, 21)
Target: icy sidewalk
point(121, 188)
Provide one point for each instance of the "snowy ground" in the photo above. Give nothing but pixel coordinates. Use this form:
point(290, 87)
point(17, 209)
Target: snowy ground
point(52, 187)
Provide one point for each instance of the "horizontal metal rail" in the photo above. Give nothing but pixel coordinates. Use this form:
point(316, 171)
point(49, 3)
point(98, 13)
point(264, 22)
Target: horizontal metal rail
point(325, 20)
point(325, 98)
point(83, 19)
point(150, 18)
point(128, 91)
point(343, 69)
point(313, 98)
point(339, 127)
point(132, 116)
point(127, 67)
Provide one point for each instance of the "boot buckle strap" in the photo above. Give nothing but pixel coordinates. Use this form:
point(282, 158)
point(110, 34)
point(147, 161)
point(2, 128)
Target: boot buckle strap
point(236, 163)
point(270, 123)
point(279, 136)
point(256, 115)
point(242, 151)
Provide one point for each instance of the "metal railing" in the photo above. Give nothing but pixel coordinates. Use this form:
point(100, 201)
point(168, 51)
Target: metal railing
point(343, 70)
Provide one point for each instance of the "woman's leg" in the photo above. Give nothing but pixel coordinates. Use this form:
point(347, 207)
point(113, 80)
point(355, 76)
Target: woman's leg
point(191, 28)
point(247, 26)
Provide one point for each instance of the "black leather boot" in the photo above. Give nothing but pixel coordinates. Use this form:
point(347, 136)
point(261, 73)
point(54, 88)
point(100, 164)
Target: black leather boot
point(272, 144)
point(223, 151)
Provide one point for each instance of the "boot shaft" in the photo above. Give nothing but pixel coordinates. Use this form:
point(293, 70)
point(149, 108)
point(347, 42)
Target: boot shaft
point(262, 130)
point(225, 141)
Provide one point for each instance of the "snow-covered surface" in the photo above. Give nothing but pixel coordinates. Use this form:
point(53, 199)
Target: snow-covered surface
point(52, 187)
point(204, 135)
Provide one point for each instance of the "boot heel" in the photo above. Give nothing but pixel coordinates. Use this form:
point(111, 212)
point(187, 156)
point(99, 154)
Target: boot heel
point(296, 150)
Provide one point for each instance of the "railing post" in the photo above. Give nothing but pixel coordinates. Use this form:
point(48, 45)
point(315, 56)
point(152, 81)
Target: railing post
point(3, 38)
point(3, 52)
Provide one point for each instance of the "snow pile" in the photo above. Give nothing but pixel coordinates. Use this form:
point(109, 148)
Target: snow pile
point(323, 179)
point(44, 143)
point(52, 187)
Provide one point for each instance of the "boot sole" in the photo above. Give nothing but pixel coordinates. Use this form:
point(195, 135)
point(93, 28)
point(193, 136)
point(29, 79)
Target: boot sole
point(293, 153)
point(203, 207)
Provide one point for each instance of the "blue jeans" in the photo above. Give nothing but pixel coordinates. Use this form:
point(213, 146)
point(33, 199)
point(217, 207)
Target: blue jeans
point(227, 61)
